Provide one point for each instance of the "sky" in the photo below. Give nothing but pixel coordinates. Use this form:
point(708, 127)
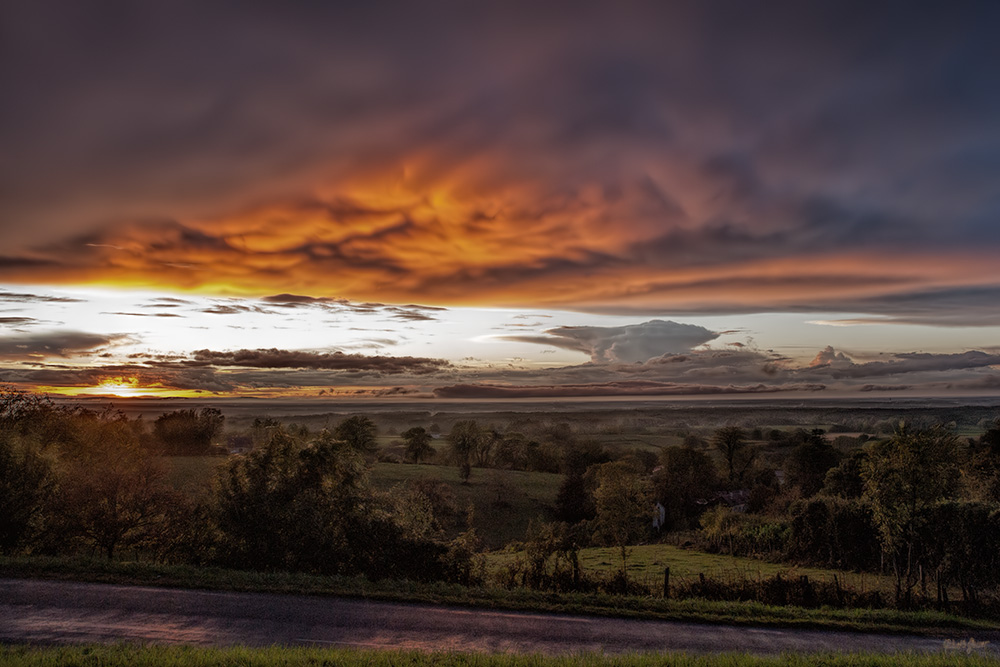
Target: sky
point(500, 199)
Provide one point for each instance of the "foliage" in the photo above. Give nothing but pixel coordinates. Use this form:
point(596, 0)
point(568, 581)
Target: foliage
point(444, 507)
point(844, 480)
point(686, 480)
point(549, 560)
point(963, 548)
point(464, 441)
point(575, 500)
point(833, 532)
point(26, 484)
point(624, 508)
point(311, 509)
point(188, 432)
point(905, 477)
point(808, 463)
point(358, 432)
point(111, 492)
point(731, 442)
point(511, 451)
point(418, 444)
point(982, 475)
point(741, 534)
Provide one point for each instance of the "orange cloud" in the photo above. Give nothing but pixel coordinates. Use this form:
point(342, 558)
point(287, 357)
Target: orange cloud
point(479, 239)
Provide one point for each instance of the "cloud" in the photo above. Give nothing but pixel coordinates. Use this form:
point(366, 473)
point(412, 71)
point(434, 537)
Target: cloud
point(143, 314)
point(337, 152)
point(623, 388)
point(27, 297)
point(839, 366)
point(275, 358)
point(627, 344)
point(54, 344)
point(409, 312)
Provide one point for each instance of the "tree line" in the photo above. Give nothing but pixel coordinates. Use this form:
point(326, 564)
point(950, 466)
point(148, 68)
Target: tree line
point(77, 481)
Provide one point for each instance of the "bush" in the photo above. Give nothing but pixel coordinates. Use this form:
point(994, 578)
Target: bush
point(738, 534)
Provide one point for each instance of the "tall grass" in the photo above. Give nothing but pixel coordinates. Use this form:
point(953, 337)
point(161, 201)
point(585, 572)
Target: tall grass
point(175, 656)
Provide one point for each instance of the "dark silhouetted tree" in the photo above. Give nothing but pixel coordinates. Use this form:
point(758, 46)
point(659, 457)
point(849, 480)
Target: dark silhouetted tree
point(731, 442)
point(686, 479)
point(844, 480)
point(358, 432)
point(807, 464)
point(188, 432)
point(26, 483)
point(418, 444)
point(111, 492)
point(463, 440)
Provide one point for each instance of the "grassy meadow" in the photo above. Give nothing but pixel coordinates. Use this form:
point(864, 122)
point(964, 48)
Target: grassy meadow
point(164, 656)
point(647, 562)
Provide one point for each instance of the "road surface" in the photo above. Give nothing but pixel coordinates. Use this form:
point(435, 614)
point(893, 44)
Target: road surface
point(48, 612)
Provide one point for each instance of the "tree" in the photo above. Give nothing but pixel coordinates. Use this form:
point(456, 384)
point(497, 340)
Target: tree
point(624, 508)
point(807, 464)
point(285, 506)
point(731, 441)
point(418, 444)
point(188, 432)
point(982, 470)
point(463, 441)
point(575, 499)
point(844, 480)
point(905, 477)
point(512, 451)
point(686, 476)
point(26, 482)
point(358, 432)
point(111, 492)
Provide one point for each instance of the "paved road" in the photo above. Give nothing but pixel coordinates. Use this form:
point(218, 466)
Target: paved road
point(58, 612)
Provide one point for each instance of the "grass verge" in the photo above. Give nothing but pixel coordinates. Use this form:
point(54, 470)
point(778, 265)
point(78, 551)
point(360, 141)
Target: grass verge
point(595, 604)
point(177, 656)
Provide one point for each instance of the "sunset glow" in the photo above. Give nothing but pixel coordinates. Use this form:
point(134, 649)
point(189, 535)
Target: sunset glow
point(658, 199)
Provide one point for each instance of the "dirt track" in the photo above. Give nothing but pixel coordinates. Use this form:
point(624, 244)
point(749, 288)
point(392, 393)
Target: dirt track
point(59, 612)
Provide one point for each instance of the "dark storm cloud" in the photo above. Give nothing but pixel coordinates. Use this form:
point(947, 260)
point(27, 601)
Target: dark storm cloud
point(274, 358)
point(589, 151)
point(966, 306)
point(53, 344)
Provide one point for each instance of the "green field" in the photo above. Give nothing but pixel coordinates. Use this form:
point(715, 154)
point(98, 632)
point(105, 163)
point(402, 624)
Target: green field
point(647, 563)
point(177, 656)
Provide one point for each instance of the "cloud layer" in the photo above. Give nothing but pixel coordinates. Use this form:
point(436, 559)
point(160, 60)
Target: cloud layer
point(698, 157)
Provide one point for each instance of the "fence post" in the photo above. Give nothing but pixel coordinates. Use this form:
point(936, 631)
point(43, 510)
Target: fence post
point(666, 582)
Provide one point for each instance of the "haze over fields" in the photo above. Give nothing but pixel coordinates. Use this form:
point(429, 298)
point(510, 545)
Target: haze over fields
point(500, 200)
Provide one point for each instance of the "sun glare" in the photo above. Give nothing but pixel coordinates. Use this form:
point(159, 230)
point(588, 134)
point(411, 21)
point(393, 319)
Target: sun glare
point(120, 386)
